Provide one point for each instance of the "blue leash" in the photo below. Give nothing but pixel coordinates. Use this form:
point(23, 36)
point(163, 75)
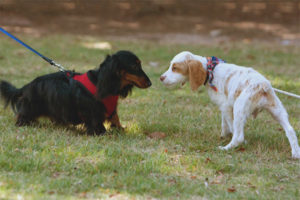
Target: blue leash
point(51, 62)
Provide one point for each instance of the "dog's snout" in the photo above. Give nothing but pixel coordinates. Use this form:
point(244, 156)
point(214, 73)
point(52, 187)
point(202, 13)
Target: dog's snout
point(162, 78)
point(149, 83)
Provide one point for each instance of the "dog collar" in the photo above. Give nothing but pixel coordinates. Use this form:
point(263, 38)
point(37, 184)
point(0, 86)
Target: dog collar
point(110, 102)
point(212, 62)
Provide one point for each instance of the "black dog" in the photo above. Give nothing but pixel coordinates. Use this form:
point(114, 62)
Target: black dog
point(73, 98)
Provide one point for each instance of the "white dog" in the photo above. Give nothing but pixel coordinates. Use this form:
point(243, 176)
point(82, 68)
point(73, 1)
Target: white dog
point(238, 91)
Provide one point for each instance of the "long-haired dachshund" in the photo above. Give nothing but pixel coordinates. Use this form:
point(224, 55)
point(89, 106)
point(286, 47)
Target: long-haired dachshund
point(73, 98)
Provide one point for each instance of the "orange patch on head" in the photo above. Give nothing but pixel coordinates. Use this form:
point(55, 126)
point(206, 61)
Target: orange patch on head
point(181, 68)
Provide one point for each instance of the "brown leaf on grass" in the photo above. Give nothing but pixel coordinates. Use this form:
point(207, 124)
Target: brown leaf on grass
point(82, 195)
point(250, 57)
point(218, 179)
point(166, 150)
point(241, 149)
point(173, 181)
point(193, 177)
point(51, 192)
point(207, 160)
point(56, 174)
point(157, 135)
point(112, 195)
point(278, 188)
point(231, 189)
point(250, 185)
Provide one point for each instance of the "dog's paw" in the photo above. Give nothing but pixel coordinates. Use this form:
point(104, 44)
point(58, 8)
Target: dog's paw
point(223, 148)
point(296, 154)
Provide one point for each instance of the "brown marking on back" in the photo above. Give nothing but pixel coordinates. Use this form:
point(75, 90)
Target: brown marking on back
point(227, 81)
point(237, 93)
point(261, 93)
point(247, 83)
point(271, 100)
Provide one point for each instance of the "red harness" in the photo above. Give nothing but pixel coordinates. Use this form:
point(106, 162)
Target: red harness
point(109, 102)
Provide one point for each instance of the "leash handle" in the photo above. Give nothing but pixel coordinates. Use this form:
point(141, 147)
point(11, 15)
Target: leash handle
point(51, 62)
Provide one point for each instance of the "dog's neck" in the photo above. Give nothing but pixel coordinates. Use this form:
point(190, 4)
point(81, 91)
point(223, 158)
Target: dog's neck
point(203, 60)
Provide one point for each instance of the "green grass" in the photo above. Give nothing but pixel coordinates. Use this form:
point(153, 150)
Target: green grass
point(53, 162)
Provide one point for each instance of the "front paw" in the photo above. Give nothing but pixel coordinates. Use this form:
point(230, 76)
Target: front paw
point(223, 148)
point(296, 154)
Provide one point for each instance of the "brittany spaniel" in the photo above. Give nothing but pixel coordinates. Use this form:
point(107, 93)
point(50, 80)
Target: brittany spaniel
point(238, 92)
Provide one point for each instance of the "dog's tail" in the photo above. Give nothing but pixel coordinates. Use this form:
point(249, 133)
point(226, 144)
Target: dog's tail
point(9, 94)
point(287, 93)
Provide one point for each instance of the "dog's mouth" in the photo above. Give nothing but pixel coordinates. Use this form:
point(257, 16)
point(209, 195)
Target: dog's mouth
point(140, 82)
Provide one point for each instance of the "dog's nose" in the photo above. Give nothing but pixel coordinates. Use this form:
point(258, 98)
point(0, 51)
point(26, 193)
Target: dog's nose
point(162, 78)
point(149, 83)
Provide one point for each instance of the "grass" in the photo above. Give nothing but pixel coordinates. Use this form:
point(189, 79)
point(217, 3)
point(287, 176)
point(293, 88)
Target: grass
point(54, 162)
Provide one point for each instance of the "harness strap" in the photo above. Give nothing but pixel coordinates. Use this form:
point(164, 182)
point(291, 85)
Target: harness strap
point(110, 102)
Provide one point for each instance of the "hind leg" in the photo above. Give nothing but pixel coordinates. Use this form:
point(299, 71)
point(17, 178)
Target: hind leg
point(227, 122)
point(279, 113)
point(241, 112)
point(23, 120)
point(25, 114)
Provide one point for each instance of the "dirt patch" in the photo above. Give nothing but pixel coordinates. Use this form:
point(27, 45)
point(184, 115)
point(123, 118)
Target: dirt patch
point(175, 20)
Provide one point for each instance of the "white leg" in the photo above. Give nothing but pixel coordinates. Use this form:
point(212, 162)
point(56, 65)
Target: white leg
point(241, 112)
point(226, 122)
point(279, 113)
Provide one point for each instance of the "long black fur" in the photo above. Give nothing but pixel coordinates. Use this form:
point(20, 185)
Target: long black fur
point(66, 101)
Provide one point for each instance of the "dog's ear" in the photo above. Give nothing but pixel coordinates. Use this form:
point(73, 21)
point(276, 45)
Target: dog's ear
point(197, 74)
point(108, 77)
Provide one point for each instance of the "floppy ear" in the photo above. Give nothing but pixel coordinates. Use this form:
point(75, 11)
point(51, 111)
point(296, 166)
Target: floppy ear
point(197, 74)
point(108, 77)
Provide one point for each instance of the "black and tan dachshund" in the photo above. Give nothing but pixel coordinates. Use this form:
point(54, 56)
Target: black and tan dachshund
point(72, 98)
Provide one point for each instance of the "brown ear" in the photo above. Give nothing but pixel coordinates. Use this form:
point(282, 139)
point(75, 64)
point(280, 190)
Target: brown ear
point(197, 74)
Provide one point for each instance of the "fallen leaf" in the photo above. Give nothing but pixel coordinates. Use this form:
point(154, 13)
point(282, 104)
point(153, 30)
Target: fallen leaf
point(112, 195)
point(217, 180)
point(231, 189)
point(172, 181)
point(82, 195)
point(193, 177)
point(51, 192)
point(157, 135)
point(241, 149)
point(166, 150)
point(207, 160)
point(251, 186)
point(56, 174)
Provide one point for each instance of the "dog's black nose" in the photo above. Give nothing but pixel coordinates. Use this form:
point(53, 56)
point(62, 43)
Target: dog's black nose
point(149, 83)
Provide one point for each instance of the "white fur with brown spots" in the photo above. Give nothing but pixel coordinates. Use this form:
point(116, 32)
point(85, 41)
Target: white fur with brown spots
point(242, 91)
